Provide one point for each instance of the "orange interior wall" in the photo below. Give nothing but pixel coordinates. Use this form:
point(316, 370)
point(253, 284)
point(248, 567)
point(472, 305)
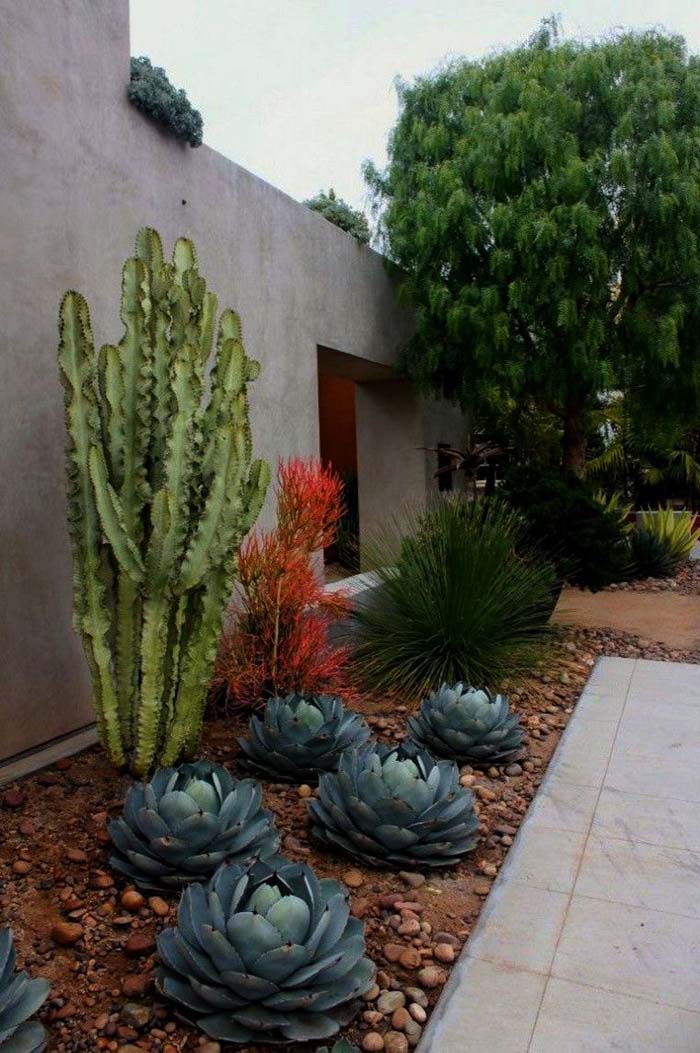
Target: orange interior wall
point(336, 414)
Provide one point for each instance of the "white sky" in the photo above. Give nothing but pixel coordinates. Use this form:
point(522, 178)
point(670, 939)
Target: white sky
point(301, 91)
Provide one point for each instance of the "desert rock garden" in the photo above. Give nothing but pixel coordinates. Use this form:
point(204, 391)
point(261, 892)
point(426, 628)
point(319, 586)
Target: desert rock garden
point(304, 865)
point(302, 795)
point(91, 930)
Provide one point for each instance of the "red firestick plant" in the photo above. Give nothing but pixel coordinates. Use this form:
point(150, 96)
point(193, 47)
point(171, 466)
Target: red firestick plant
point(277, 638)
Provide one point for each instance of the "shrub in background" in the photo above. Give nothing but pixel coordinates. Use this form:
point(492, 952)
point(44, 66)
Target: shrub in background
point(347, 541)
point(161, 490)
point(465, 600)
point(583, 539)
point(617, 506)
point(278, 638)
point(662, 541)
point(20, 997)
point(651, 555)
point(337, 211)
point(265, 954)
point(152, 93)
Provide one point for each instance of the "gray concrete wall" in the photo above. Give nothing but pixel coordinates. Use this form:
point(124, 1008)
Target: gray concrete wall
point(392, 426)
point(80, 171)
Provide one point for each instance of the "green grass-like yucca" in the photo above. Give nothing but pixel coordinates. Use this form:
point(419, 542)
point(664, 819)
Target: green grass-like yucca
point(465, 599)
point(663, 540)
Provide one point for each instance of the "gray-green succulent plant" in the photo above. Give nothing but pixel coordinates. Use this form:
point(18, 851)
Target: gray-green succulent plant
point(20, 997)
point(300, 736)
point(469, 725)
point(396, 807)
point(183, 824)
point(266, 953)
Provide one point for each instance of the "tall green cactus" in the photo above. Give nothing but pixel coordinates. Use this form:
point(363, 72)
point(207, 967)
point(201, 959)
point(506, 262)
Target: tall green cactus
point(161, 490)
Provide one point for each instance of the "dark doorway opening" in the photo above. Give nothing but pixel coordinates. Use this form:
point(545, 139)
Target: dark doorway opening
point(338, 448)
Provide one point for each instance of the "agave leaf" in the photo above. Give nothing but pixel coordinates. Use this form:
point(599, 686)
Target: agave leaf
point(7, 956)
point(293, 999)
point(331, 925)
point(251, 988)
point(216, 996)
point(259, 1018)
point(291, 917)
point(225, 957)
point(304, 1027)
point(141, 865)
point(361, 813)
point(180, 991)
point(28, 1038)
point(252, 935)
point(12, 996)
point(176, 806)
point(230, 884)
point(169, 953)
point(238, 839)
point(350, 951)
point(278, 964)
point(170, 850)
point(341, 1046)
point(204, 863)
point(150, 823)
point(223, 1028)
point(205, 794)
point(246, 797)
point(200, 964)
point(357, 979)
point(312, 970)
point(445, 811)
point(396, 837)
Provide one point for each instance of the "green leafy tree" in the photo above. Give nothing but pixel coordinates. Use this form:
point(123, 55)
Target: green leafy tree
point(337, 211)
point(544, 207)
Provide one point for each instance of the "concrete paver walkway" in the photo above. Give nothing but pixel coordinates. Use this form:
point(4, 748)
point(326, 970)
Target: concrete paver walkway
point(590, 939)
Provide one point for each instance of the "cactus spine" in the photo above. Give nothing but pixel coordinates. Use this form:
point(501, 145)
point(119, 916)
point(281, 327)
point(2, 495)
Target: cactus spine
point(161, 490)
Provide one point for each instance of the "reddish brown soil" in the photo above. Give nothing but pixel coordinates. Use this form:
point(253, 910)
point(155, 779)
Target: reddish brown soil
point(54, 851)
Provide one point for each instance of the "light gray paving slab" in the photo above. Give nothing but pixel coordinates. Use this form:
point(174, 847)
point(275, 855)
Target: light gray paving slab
point(547, 858)
point(631, 950)
point(598, 704)
point(641, 875)
point(596, 909)
point(669, 683)
point(650, 732)
point(492, 1007)
point(520, 926)
point(584, 752)
point(563, 805)
point(577, 1019)
point(610, 673)
point(652, 820)
point(637, 771)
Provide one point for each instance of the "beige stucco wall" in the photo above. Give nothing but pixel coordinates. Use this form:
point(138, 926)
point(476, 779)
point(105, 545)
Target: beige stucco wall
point(80, 171)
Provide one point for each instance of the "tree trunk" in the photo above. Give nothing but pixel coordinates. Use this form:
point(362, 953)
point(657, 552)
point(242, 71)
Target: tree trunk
point(574, 438)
